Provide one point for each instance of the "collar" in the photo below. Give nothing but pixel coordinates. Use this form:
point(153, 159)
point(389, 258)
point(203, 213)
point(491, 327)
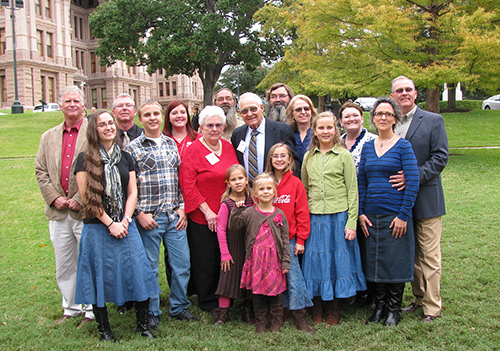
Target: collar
point(77, 127)
point(335, 149)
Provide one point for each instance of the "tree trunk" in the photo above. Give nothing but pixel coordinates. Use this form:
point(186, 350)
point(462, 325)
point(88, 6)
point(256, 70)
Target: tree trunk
point(209, 78)
point(452, 99)
point(321, 103)
point(433, 99)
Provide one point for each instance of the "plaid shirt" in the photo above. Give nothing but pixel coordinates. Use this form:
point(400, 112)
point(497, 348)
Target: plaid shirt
point(157, 176)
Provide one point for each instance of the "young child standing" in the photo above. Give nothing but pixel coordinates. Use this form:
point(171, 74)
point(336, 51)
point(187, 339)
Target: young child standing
point(332, 261)
point(267, 258)
point(232, 245)
point(292, 200)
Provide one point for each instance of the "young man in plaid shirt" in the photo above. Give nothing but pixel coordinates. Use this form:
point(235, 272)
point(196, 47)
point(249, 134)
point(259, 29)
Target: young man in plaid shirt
point(160, 208)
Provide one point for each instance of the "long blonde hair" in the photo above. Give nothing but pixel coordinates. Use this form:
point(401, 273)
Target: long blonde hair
point(314, 139)
point(230, 170)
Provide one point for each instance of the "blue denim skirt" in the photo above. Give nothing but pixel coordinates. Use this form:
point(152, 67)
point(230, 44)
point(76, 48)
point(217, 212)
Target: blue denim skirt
point(331, 264)
point(111, 269)
point(387, 259)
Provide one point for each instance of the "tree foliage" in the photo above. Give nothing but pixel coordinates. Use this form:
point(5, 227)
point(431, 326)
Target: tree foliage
point(183, 36)
point(246, 78)
point(358, 46)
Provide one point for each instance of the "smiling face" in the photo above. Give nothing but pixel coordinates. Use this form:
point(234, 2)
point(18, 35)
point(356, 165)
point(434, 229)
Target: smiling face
point(124, 110)
point(302, 112)
point(151, 119)
point(325, 131)
point(251, 112)
point(384, 117)
point(352, 121)
point(212, 129)
point(72, 106)
point(279, 97)
point(404, 94)
point(224, 99)
point(280, 159)
point(178, 117)
point(237, 181)
point(106, 128)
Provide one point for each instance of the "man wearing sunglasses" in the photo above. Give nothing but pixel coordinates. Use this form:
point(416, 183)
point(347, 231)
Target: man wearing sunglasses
point(427, 134)
point(253, 140)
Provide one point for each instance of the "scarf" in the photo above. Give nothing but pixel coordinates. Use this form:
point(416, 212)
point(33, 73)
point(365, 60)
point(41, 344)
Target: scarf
point(113, 194)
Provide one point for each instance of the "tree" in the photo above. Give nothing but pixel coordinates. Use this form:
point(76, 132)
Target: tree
point(244, 78)
point(183, 36)
point(358, 46)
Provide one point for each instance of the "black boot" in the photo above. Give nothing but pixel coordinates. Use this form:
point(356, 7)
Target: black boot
point(379, 293)
point(103, 327)
point(276, 312)
point(248, 316)
point(142, 315)
point(260, 308)
point(394, 299)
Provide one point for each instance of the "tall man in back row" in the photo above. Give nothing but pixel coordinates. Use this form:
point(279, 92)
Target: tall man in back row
point(427, 135)
point(54, 167)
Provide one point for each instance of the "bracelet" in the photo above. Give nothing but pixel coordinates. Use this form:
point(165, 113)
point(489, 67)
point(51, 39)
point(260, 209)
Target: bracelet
point(111, 223)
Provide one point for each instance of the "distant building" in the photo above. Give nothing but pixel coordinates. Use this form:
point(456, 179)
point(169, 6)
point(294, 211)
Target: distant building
point(55, 48)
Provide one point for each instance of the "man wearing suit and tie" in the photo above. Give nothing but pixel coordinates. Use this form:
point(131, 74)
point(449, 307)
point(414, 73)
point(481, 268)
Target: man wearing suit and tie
point(253, 140)
point(427, 134)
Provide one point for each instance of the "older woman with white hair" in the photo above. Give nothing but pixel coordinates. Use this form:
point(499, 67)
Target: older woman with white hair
point(202, 178)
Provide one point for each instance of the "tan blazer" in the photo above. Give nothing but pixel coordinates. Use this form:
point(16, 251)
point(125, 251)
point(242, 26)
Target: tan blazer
point(48, 170)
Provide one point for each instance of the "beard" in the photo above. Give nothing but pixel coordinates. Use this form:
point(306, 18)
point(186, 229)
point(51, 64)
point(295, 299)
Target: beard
point(276, 112)
point(231, 123)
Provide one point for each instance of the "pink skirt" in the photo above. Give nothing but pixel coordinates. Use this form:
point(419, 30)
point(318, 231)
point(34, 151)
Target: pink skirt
point(262, 271)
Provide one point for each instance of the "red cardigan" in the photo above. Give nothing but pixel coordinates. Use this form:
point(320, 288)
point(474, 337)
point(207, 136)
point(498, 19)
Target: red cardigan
point(292, 200)
point(202, 182)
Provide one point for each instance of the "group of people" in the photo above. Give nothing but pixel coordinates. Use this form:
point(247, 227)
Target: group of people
point(263, 204)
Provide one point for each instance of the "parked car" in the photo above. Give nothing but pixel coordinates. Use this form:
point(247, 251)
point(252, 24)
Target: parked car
point(365, 103)
point(46, 108)
point(492, 103)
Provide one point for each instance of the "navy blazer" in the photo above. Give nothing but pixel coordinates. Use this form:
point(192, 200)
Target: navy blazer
point(427, 135)
point(275, 132)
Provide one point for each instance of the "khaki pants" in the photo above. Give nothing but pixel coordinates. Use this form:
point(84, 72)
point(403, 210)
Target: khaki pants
point(427, 280)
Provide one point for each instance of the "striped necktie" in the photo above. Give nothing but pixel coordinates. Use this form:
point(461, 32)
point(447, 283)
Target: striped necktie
point(253, 165)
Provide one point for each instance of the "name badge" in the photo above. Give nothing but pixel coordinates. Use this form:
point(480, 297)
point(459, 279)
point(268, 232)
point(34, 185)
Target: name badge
point(242, 146)
point(212, 158)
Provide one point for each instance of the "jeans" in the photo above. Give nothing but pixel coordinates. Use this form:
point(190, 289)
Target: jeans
point(176, 244)
point(296, 296)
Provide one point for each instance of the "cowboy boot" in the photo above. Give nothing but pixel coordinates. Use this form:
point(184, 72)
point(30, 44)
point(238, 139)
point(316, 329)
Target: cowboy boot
point(332, 313)
point(300, 320)
point(223, 316)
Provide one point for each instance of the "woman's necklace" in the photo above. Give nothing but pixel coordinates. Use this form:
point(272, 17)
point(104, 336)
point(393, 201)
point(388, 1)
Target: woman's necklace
point(385, 142)
point(215, 150)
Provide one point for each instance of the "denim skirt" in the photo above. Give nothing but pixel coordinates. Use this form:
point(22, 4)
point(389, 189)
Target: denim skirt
point(387, 259)
point(111, 269)
point(331, 264)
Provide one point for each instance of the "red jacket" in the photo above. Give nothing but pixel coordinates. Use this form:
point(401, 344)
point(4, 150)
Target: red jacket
point(292, 200)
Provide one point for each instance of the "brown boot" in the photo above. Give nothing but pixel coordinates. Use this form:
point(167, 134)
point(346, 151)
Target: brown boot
point(260, 311)
point(317, 315)
point(248, 316)
point(276, 311)
point(223, 316)
point(300, 319)
point(332, 313)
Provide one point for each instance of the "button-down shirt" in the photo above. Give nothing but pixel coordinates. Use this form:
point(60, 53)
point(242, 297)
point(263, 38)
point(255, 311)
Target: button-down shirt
point(157, 168)
point(68, 152)
point(331, 183)
point(402, 126)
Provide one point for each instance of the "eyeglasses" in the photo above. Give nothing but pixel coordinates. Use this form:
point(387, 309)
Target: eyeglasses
point(300, 109)
point(211, 125)
point(124, 106)
point(282, 156)
point(386, 114)
point(280, 96)
point(402, 90)
point(252, 109)
point(105, 125)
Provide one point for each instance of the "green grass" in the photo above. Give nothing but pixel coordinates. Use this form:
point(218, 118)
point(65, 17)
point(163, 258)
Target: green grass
point(30, 300)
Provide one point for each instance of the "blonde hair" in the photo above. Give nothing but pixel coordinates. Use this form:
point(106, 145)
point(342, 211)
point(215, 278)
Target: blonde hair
point(314, 139)
point(147, 103)
point(262, 179)
point(228, 191)
point(270, 167)
point(291, 107)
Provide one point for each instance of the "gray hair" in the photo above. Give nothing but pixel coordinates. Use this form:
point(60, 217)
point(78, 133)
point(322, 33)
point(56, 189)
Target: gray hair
point(251, 97)
point(399, 78)
point(123, 95)
point(211, 111)
point(69, 89)
point(387, 100)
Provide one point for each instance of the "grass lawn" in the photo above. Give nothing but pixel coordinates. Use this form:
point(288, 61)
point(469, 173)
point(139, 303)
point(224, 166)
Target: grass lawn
point(30, 299)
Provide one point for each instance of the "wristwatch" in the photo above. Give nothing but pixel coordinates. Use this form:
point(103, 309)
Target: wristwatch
point(129, 219)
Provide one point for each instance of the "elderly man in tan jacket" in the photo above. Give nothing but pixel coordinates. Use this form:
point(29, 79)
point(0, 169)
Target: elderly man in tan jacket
point(54, 165)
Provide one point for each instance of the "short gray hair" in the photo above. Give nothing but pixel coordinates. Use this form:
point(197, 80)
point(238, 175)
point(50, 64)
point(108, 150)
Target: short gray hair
point(211, 111)
point(387, 100)
point(251, 97)
point(399, 78)
point(123, 95)
point(69, 89)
